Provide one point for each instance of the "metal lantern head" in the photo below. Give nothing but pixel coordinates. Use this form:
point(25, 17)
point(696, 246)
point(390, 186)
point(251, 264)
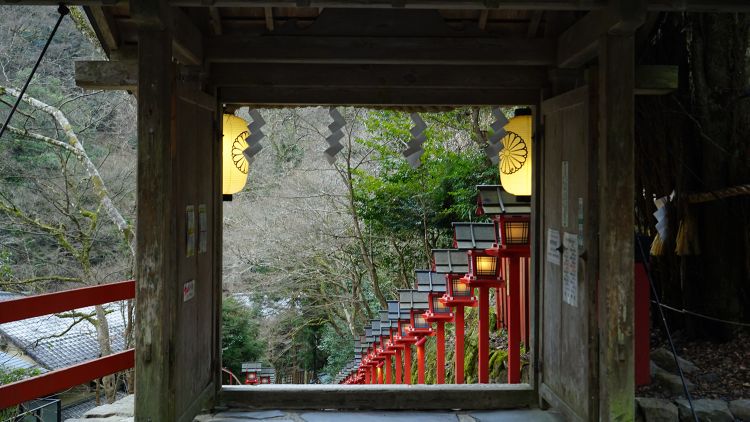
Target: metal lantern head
point(234, 163)
point(437, 307)
point(468, 236)
point(514, 231)
point(430, 282)
point(494, 200)
point(450, 261)
point(458, 289)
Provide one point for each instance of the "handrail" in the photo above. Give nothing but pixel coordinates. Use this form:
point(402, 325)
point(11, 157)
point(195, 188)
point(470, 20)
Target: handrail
point(231, 376)
point(61, 379)
point(51, 303)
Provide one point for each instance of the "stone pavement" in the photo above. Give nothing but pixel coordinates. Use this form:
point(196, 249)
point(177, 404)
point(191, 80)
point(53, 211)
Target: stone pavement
point(122, 411)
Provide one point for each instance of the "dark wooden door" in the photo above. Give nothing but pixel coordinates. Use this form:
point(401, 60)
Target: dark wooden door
point(568, 284)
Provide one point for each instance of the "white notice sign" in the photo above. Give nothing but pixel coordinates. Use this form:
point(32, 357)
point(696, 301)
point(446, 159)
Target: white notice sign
point(553, 246)
point(570, 269)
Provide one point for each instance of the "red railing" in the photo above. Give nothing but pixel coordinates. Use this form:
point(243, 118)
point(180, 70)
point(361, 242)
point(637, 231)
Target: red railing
point(61, 379)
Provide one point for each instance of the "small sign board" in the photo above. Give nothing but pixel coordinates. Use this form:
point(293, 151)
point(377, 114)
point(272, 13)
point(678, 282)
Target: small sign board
point(188, 290)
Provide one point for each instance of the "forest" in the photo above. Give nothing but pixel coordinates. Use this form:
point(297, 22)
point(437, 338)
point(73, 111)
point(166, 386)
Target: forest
point(312, 250)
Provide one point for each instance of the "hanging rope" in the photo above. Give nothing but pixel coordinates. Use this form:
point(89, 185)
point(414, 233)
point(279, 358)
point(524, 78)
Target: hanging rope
point(62, 10)
point(719, 194)
point(647, 266)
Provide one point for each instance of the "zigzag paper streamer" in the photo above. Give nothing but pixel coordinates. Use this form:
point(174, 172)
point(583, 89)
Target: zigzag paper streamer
point(414, 151)
point(498, 125)
point(256, 134)
point(336, 134)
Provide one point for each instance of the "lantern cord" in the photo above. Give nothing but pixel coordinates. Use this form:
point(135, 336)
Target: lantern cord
point(647, 266)
point(63, 11)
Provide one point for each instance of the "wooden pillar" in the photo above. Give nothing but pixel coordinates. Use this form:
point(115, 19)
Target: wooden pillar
point(156, 267)
point(616, 226)
point(407, 363)
point(459, 340)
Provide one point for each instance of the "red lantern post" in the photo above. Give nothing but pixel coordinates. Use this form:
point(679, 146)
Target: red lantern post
point(483, 274)
point(434, 285)
point(512, 245)
point(454, 264)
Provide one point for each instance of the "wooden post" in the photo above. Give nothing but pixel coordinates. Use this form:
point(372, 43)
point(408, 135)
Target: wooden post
point(388, 375)
point(399, 376)
point(514, 323)
point(407, 364)
point(420, 360)
point(440, 346)
point(459, 344)
point(483, 340)
point(616, 226)
point(156, 250)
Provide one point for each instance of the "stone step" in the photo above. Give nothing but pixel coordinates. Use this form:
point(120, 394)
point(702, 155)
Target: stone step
point(522, 415)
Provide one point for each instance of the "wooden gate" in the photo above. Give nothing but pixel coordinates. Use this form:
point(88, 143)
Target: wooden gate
point(569, 352)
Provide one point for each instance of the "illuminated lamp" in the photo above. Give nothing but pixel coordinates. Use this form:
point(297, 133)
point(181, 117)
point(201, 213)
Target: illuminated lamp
point(515, 157)
point(235, 165)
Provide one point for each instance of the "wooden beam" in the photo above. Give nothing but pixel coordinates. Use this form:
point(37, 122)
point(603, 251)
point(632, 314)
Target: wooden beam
point(578, 44)
point(616, 175)
point(656, 79)
point(377, 97)
point(215, 20)
point(381, 50)
point(483, 15)
point(104, 26)
point(187, 39)
point(377, 76)
point(268, 12)
point(536, 19)
point(107, 75)
point(380, 397)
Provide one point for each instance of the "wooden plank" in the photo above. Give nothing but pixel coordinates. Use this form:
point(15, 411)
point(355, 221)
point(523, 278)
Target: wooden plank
point(380, 97)
point(157, 237)
point(51, 303)
point(616, 167)
point(411, 4)
point(62, 379)
point(107, 75)
point(379, 397)
point(263, 75)
point(381, 50)
point(737, 6)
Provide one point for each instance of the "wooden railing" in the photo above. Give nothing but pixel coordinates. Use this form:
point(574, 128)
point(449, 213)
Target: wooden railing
point(61, 379)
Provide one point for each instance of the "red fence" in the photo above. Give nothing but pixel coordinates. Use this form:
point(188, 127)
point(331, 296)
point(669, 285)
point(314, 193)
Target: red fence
point(61, 379)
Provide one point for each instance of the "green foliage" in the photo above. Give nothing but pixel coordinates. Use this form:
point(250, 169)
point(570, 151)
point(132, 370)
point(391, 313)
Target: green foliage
point(338, 349)
point(13, 375)
point(240, 335)
point(399, 199)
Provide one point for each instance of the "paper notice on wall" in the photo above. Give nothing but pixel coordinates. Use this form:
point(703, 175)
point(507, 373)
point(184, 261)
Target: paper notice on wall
point(202, 229)
point(188, 290)
point(570, 268)
point(553, 246)
point(189, 231)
